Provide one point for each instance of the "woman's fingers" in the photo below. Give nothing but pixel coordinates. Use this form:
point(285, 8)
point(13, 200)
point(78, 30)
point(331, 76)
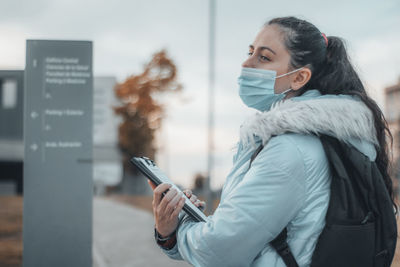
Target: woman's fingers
point(158, 191)
point(165, 201)
point(167, 207)
point(193, 199)
point(179, 207)
point(172, 203)
point(188, 192)
point(153, 186)
point(201, 205)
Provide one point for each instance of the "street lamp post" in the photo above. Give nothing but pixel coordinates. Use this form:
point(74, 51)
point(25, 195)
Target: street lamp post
point(211, 104)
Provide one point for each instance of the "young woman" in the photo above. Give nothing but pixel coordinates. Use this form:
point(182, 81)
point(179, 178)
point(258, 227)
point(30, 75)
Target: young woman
point(317, 90)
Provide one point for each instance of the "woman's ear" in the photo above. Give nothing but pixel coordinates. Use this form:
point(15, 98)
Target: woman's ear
point(301, 78)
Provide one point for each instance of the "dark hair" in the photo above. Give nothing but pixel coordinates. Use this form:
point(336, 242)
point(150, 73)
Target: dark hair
point(333, 73)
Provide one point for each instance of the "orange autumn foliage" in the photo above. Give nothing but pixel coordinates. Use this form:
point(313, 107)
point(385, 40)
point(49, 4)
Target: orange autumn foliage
point(141, 112)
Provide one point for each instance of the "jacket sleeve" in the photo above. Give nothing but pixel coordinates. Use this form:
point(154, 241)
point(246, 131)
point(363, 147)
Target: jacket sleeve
point(173, 253)
point(270, 194)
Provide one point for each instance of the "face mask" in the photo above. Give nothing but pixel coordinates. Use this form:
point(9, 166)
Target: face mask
point(256, 88)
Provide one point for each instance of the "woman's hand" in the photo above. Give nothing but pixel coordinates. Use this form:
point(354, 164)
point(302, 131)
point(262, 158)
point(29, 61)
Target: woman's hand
point(166, 208)
point(193, 198)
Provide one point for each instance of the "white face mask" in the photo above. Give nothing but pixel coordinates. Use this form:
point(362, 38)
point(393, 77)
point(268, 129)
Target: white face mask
point(256, 88)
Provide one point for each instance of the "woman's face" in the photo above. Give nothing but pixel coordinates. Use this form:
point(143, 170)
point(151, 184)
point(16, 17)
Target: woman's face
point(268, 52)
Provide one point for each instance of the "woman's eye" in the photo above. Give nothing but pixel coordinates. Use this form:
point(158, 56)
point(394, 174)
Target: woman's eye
point(264, 58)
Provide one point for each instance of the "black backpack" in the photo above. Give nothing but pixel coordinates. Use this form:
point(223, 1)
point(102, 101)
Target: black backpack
point(360, 227)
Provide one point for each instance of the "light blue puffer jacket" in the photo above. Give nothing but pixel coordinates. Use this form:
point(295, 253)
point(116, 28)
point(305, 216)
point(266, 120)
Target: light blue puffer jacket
point(286, 186)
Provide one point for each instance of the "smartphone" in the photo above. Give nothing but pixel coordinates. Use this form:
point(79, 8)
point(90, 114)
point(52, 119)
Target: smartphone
point(152, 172)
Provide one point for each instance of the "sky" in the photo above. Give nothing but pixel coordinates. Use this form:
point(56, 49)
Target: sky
point(126, 33)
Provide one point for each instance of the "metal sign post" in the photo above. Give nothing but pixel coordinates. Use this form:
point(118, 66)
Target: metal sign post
point(58, 187)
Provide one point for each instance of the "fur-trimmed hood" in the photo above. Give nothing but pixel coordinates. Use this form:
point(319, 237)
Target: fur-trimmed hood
point(341, 117)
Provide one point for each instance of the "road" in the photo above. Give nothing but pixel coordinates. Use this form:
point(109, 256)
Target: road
point(123, 236)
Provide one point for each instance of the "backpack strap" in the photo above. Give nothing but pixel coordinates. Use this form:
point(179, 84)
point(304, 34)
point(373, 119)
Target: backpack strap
point(258, 150)
point(282, 248)
point(279, 243)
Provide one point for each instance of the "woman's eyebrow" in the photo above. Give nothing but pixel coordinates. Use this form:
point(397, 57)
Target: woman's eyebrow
point(262, 48)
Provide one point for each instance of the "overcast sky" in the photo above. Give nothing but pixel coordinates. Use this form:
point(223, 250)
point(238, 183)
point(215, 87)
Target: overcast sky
point(127, 33)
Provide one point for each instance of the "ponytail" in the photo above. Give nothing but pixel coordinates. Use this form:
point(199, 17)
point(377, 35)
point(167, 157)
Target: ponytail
point(335, 73)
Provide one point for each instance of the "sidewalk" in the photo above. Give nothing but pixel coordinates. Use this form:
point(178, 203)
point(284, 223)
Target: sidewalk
point(123, 236)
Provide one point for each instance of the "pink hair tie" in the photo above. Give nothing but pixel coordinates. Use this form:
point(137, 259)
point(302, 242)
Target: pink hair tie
point(326, 39)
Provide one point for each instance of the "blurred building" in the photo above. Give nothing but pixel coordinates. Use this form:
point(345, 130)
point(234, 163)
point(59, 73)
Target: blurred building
point(107, 162)
point(392, 113)
point(11, 134)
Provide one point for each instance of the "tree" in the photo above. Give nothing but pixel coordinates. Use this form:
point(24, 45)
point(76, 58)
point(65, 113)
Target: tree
point(141, 112)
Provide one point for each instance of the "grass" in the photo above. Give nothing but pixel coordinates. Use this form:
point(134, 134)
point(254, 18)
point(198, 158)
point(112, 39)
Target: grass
point(11, 231)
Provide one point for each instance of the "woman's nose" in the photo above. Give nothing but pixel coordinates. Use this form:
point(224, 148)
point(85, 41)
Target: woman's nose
point(248, 63)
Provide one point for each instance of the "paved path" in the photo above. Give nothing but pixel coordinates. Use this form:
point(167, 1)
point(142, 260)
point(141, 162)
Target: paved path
point(123, 236)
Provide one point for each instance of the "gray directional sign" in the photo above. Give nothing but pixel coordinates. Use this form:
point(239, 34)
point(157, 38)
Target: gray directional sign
point(57, 221)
